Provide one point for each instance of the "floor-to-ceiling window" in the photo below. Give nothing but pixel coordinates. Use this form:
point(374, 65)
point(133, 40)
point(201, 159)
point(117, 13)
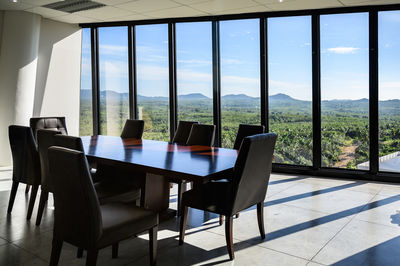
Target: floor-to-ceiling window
point(114, 80)
point(389, 90)
point(240, 76)
point(290, 88)
point(152, 80)
point(194, 72)
point(341, 72)
point(85, 106)
point(344, 90)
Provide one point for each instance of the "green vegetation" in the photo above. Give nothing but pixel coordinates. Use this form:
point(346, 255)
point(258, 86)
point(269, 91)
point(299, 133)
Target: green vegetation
point(345, 123)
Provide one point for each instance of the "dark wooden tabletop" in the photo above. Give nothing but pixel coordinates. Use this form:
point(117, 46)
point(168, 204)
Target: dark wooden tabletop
point(163, 158)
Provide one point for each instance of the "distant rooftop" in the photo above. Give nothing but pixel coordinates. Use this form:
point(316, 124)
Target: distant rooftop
point(387, 163)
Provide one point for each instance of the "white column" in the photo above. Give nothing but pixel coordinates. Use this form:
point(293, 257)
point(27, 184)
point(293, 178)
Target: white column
point(18, 63)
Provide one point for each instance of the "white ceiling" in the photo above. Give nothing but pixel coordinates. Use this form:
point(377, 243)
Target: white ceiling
point(124, 10)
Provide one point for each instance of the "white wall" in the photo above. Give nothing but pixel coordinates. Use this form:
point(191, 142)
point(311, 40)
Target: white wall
point(58, 74)
point(39, 72)
point(18, 61)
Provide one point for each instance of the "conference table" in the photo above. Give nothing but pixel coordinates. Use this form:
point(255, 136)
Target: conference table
point(157, 160)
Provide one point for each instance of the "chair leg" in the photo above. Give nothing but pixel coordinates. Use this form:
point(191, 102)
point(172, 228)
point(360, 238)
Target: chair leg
point(183, 225)
point(32, 200)
point(91, 259)
point(44, 195)
point(228, 236)
point(237, 215)
point(79, 254)
point(181, 189)
point(13, 193)
point(153, 245)
point(260, 218)
point(55, 252)
point(27, 189)
point(115, 250)
point(221, 219)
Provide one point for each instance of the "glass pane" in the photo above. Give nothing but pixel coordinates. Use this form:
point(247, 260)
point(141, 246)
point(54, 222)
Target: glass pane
point(114, 81)
point(85, 107)
point(290, 88)
point(344, 90)
point(194, 71)
point(152, 80)
point(240, 76)
point(389, 90)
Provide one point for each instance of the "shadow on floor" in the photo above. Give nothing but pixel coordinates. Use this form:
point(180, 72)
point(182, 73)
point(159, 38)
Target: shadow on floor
point(386, 253)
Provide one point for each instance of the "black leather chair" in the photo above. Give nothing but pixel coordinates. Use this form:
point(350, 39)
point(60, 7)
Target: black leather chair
point(133, 129)
point(108, 188)
point(201, 135)
point(79, 218)
point(45, 139)
point(245, 131)
point(26, 166)
point(247, 187)
point(181, 136)
point(50, 123)
point(182, 132)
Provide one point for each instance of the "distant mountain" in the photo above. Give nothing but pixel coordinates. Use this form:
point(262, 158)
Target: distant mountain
point(277, 103)
point(238, 97)
point(193, 96)
point(151, 98)
point(281, 97)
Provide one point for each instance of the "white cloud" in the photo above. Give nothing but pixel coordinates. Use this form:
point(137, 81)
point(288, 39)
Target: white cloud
point(152, 72)
point(343, 50)
point(114, 69)
point(390, 85)
point(230, 61)
point(105, 49)
point(195, 62)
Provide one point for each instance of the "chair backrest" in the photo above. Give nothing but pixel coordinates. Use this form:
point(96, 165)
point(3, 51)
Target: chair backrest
point(45, 139)
point(252, 170)
point(69, 142)
point(26, 164)
point(133, 129)
point(245, 131)
point(182, 132)
point(51, 123)
point(201, 135)
point(77, 211)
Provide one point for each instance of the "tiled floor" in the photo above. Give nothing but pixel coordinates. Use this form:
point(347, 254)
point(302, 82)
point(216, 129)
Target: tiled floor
point(309, 221)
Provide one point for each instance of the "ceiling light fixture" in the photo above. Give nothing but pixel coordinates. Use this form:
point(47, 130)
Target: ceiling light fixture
point(14, 1)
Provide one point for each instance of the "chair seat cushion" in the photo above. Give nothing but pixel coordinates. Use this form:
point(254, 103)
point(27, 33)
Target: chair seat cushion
point(122, 220)
point(212, 197)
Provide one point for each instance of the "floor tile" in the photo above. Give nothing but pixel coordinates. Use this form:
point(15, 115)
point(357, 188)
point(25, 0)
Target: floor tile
point(362, 243)
point(382, 210)
point(317, 197)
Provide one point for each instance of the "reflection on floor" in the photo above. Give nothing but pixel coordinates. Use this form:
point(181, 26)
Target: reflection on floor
point(308, 221)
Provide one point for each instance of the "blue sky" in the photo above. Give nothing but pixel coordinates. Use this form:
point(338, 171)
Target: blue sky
point(344, 57)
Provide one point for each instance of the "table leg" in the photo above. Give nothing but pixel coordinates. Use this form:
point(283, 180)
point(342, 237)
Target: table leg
point(156, 193)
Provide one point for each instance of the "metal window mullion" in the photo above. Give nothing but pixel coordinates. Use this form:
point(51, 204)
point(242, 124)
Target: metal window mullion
point(132, 73)
point(316, 91)
point(172, 79)
point(373, 93)
point(264, 73)
point(216, 60)
point(94, 41)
